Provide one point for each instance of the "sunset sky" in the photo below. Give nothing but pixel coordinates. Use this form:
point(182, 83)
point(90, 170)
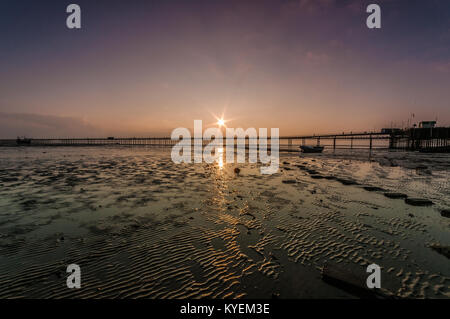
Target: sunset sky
point(143, 68)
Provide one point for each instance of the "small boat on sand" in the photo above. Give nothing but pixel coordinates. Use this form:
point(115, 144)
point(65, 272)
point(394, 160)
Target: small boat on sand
point(312, 149)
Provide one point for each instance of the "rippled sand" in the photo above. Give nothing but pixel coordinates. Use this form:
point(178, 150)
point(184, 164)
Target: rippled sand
point(141, 226)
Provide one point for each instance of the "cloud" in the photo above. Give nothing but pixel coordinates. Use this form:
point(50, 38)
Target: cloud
point(37, 125)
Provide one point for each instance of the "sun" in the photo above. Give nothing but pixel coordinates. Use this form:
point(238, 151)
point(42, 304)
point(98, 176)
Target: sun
point(221, 122)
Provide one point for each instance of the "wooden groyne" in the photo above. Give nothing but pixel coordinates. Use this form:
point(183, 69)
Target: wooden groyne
point(415, 139)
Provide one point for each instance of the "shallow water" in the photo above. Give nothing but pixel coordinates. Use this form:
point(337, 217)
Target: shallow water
point(141, 226)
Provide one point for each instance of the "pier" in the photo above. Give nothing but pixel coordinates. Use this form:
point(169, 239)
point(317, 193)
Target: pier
point(414, 139)
point(436, 139)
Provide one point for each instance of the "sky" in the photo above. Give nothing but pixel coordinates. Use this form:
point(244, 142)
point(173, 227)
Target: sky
point(144, 68)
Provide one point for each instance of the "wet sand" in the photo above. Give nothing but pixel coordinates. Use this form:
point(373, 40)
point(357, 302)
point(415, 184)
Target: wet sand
point(141, 226)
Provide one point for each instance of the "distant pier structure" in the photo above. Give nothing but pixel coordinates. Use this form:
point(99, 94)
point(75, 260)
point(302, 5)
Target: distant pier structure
point(425, 138)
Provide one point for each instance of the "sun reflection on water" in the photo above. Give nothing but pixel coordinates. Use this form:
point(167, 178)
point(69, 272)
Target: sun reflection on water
point(220, 157)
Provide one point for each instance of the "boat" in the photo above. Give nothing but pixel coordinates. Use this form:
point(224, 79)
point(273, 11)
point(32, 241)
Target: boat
point(312, 149)
point(23, 141)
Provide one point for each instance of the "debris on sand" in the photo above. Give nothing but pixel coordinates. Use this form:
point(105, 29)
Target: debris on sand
point(418, 201)
point(395, 195)
point(59, 237)
point(445, 213)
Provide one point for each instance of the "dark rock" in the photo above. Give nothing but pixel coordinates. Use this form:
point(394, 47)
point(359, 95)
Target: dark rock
point(352, 282)
point(347, 181)
point(29, 204)
point(445, 213)
point(289, 181)
point(418, 201)
point(395, 195)
point(373, 188)
point(237, 170)
point(443, 250)
point(316, 176)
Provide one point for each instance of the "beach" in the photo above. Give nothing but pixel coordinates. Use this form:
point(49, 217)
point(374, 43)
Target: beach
point(141, 226)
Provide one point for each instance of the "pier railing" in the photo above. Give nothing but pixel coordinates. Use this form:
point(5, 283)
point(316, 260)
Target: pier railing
point(426, 139)
point(349, 140)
